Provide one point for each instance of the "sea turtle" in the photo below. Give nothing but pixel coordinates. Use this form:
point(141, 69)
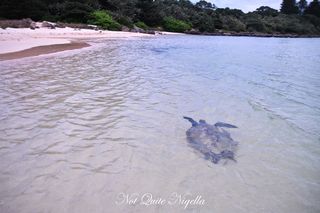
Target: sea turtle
point(211, 140)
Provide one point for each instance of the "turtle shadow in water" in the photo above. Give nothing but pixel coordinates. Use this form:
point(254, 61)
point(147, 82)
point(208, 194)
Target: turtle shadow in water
point(212, 141)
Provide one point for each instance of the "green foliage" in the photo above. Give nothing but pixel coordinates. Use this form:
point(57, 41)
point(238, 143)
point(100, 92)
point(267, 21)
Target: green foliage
point(266, 11)
point(289, 24)
point(313, 20)
point(141, 25)
point(203, 22)
point(231, 23)
point(174, 25)
point(122, 19)
point(104, 20)
point(255, 25)
point(230, 12)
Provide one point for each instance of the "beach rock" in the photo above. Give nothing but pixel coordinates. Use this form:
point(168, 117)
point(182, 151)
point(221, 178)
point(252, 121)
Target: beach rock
point(137, 29)
point(23, 23)
point(80, 26)
point(60, 25)
point(93, 27)
point(125, 29)
point(49, 25)
point(151, 32)
point(194, 32)
point(33, 25)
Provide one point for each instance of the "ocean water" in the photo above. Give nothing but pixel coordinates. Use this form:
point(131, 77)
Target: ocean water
point(101, 130)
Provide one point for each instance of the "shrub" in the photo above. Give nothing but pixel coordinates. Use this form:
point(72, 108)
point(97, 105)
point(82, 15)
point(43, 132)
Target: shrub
point(104, 20)
point(203, 22)
point(174, 25)
point(255, 24)
point(141, 25)
point(124, 20)
point(290, 24)
point(233, 24)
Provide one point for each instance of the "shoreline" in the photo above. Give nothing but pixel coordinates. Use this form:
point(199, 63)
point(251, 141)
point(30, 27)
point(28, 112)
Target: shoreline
point(16, 43)
point(253, 34)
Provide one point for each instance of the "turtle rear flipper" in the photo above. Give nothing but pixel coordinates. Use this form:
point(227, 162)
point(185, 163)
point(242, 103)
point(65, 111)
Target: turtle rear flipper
point(215, 158)
point(221, 124)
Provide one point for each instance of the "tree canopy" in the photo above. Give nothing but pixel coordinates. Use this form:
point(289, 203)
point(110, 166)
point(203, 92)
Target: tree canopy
point(313, 8)
point(302, 5)
point(289, 7)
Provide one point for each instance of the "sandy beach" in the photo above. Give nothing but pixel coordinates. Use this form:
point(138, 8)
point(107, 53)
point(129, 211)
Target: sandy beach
point(25, 42)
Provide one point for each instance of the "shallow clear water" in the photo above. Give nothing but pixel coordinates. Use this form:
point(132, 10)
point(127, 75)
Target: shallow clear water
point(78, 130)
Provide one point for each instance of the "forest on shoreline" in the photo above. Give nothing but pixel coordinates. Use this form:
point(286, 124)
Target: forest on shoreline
point(300, 18)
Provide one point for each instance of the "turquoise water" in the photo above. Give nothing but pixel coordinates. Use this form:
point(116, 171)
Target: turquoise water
point(81, 129)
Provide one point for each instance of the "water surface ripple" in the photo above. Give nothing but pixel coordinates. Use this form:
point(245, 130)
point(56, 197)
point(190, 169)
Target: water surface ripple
point(78, 129)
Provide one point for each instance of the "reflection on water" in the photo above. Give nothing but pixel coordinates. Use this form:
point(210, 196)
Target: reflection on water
point(78, 130)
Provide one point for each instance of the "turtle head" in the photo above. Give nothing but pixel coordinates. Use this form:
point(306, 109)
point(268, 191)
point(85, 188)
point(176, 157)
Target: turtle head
point(201, 121)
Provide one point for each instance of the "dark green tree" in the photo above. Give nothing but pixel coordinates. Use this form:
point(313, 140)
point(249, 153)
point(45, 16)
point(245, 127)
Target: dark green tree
point(71, 11)
point(204, 22)
point(205, 5)
point(185, 3)
point(230, 12)
point(18, 9)
point(289, 7)
point(124, 7)
point(151, 12)
point(313, 8)
point(266, 11)
point(302, 5)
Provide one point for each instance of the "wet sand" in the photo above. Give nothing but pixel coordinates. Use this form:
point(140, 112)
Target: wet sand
point(40, 50)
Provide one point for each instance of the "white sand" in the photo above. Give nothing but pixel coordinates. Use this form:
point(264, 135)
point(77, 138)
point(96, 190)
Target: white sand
point(13, 40)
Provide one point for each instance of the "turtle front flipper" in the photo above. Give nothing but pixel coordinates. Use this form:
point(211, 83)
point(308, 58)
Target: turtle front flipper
point(193, 122)
point(226, 154)
point(221, 124)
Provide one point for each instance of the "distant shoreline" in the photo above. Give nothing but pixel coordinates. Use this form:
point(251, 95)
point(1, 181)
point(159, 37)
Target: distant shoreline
point(253, 34)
